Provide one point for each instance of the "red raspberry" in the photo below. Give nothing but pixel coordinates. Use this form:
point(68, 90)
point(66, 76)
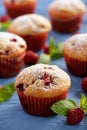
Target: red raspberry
point(47, 79)
point(12, 1)
point(74, 116)
point(4, 18)
point(84, 84)
point(30, 58)
point(46, 49)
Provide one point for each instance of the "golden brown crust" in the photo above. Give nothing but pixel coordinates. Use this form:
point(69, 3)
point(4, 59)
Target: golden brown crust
point(66, 9)
point(30, 24)
point(76, 47)
point(34, 84)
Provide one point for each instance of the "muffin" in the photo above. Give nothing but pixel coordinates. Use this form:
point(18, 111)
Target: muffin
point(12, 51)
point(16, 8)
point(41, 85)
point(33, 28)
point(75, 54)
point(66, 15)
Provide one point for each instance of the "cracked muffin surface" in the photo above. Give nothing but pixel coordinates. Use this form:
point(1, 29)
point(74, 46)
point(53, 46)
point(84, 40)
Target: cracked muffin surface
point(30, 24)
point(11, 44)
point(43, 81)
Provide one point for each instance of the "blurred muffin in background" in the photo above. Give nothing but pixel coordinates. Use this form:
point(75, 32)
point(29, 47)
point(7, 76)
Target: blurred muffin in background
point(33, 28)
point(41, 85)
point(75, 54)
point(19, 7)
point(66, 15)
point(12, 51)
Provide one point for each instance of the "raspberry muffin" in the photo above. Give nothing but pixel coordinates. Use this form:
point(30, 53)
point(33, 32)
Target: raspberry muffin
point(66, 15)
point(33, 28)
point(16, 8)
point(41, 85)
point(75, 54)
point(12, 51)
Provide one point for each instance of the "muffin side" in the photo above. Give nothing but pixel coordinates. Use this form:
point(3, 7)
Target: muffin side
point(12, 51)
point(34, 32)
point(75, 54)
point(19, 7)
point(66, 16)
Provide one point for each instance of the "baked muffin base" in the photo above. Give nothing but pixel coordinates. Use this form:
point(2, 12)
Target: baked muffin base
point(68, 26)
point(17, 10)
point(38, 106)
point(35, 42)
point(11, 66)
point(76, 67)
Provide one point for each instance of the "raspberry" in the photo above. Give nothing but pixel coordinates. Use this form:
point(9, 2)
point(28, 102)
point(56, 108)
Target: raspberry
point(30, 58)
point(46, 49)
point(47, 79)
point(12, 1)
point(74, 116)
point(84, 84)
point(4, 18)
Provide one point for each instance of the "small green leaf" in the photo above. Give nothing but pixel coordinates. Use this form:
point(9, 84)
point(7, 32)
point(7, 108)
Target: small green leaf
point(6, 92)
point(55, 49)
point(61, 107)
point(45, 59)
point(83, 103)
point(4, 25)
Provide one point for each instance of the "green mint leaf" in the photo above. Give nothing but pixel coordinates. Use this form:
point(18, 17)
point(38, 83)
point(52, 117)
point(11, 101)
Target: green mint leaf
point(55, 49)
point(83, 103)
point(45, 59)
point(4, 25)
point(6, 92)
point(61, 107)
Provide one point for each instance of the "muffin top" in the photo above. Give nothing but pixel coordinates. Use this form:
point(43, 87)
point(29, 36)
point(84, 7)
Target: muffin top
point(76, 47)
point(66, 9)
point(42, 80)
point(30, 24)
point(19, 1)
point(11, 44)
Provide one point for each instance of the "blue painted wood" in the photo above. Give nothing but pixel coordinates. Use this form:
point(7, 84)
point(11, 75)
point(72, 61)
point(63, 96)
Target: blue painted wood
point(12, 116)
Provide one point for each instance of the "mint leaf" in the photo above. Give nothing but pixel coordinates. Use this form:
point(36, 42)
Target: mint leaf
point(45, 59)
point(55, 49)
point(4, 25)
point(6, 92)
point(61, 107)
point(83, 103)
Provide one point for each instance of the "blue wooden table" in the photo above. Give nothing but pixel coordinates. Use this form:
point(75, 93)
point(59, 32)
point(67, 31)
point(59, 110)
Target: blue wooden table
point(12, 116)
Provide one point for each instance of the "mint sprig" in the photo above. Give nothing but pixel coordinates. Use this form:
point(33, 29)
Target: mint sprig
point(45, 59)
point(63, 106)
point(6, 92)
point(55, 49)
point(83, 103)
point(4, 25)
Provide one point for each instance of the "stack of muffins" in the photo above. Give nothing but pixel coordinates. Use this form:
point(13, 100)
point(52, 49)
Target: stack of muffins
point(39, 86)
